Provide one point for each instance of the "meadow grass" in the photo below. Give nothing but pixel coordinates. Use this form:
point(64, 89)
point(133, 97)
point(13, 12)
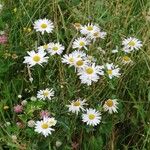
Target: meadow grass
point(127, 129)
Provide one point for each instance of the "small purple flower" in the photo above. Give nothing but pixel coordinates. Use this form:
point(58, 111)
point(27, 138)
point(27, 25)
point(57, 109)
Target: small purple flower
point(44, 113)
point(3, 39)
point(18, 108)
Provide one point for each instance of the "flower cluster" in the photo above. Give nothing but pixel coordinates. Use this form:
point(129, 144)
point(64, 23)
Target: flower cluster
point(92, 116)
point(85, 66)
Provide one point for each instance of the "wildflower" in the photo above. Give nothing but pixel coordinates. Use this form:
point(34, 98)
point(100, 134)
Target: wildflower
point(44, 113)
point(80, 43)
point(112, 71)
point(97, 34)
point(35, 58)
point(24, 103)
point(31, 123)
point(44, 127)
point(80, 63)
point(88, 29)
point(33, 98)
point(18, 108)
point(45, 94)
point(131, 44)
point(110, 105)
point(91, 117)
point(43, 25)
point(55, 48)
point(78, 54)
point(126, 60)
point(6, 107)
point(3, 39)
point(69, 59)
point(44, 47)
point(90, 73)
point(19, 96)
point(76, 106)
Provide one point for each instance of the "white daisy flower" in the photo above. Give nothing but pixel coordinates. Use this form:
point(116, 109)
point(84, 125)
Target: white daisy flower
point(90, 73)
point(80, 63)
point(45, 94)
point(35, 58)
point(112, 71)
point(132, 43)
point(88, 29)
point(111, 106)
point(78, 54)
point(44, 127)
point(55, 48)
point(69, 59)
point(91, 117)
point(96, 35)
point(126, 60)
point(43, 25)
point(77, 105)
point(43, 47)
point(80, 43)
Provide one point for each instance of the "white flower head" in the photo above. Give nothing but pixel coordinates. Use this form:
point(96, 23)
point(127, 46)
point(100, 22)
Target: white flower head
point(78, 54)
point(43, 47)
point(131, 43)
point(80, 63)
point(69, 59)
point(91, 117)
point(35, 58)
point(80, 43)
point(126, 60)
point(88, 29)
point(110, 105)
point(43, 25)
point(55, 48)
point(45, 94)
point(77, 105)
point(90, 73)
point(97, 34)
point(44, 127)
point(112, 71)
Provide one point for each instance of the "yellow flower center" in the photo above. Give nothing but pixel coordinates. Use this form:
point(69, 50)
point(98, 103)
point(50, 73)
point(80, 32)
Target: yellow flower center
point(82, 43)
point(79, 63)
point(45, 93)
point(76, 103)
point(36, 58)
point(126, 58)
point(71, 60)
point(55, 48)
point(90, 28)
point(89, 70)
point(91, 116)
point(43, 25)
point(44, 125)
point(45, 46)
point(109, 72)
point(109, 103)
point(131, 43)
